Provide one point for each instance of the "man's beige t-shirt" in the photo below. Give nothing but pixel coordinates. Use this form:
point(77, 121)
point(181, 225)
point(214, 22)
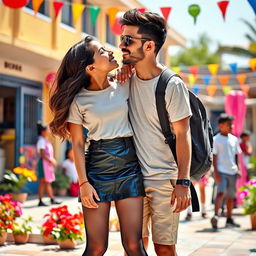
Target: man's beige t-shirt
point(155, 156)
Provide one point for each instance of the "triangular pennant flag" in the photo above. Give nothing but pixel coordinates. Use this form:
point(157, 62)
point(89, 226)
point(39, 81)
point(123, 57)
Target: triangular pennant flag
point(253, 5)
point(15, 4)
point(94, 12)
point(166, 12)
point(223, 80)
point(233, 67)
point(245, 88)
point(196, 89)
point(142, 10)
point(207, 80)
point(191, 79)
point(241, 78)
point(57, 7)
point(226, 89)
point(213, 68)
point(211, 89)
point(176, 69)
point(36, 5)
point(194, 70)
point(252, 63)
point(112, 15)
point(223, 7)
point(77, 10)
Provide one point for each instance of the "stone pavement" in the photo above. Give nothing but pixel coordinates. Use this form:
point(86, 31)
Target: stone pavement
point(196, 237)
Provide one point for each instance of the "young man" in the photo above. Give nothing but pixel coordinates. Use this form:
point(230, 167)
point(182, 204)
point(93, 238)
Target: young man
point(226, 168)
point(142, 38)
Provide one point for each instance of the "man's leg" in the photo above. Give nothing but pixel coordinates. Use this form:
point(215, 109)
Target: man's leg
point(165, 250)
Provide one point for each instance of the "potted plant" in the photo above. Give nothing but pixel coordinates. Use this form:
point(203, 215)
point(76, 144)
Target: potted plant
point(9, 211)
point(65, 227)
point(14, 182)
point(22, 230)
point(61, 183)
point(248, 194)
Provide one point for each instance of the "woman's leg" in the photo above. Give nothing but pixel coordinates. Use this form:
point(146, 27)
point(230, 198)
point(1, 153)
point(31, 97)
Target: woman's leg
point(49, 189)
point(96, 228)
point(130, 214)
point(41, 188)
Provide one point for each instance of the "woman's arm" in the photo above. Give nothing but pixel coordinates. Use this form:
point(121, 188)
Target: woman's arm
point(86, 190)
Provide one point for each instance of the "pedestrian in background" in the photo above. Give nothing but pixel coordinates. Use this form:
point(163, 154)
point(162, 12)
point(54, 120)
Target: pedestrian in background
point(226, 168)
point(46, 165)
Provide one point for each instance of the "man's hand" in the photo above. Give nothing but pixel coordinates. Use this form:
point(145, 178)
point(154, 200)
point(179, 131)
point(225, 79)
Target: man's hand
point(124, 73)
point(217, 177)
point(182, 197)
point(239, 173)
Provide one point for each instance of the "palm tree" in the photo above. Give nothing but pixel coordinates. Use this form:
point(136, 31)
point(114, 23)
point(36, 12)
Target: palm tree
point(251, 51)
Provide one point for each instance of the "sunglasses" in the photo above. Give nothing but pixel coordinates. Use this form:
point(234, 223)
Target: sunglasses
point(128, 39)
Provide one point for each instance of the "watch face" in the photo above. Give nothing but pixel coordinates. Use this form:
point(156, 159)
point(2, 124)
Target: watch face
point(186, 182)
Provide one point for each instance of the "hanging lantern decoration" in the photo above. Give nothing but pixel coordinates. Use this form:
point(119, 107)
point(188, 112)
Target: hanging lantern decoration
point(194, 10)
point(117, 28)
point(15, 4)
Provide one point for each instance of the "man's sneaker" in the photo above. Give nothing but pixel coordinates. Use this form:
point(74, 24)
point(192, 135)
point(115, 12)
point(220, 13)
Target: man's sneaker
point(204, 215)
point(53, 201)
point(188, 217)
point(214, 222)
point(41, 203)
point(230, 223)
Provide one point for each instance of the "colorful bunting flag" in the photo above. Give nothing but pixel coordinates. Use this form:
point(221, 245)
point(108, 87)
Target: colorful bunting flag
point(245, 88)
point(223, 80)
point(241, 78)
point(176, 69)
point(196, 89)
point(191, 79)
point(252, 63)
point(166, 12)
point(94, 12)
point(211, 89)
point(207, 79)
point(77, 10)
point(223, 7)
point(213, 68)
point(194, 70)
point(57, 7)
point(194, 10)
point(15, 4)
point(226, 89)
point(233, 67)
point(112, 12)
point(253, 5)
point(36, 5)
point(142, 10)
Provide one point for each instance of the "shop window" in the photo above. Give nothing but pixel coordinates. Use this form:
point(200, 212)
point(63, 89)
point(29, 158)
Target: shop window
point(87, 24)
point(31, 117)
point(44, 8)
point(110, 37)
point(66, 13)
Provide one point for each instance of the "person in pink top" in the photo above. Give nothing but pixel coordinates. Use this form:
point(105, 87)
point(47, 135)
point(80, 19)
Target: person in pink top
point(45, 166)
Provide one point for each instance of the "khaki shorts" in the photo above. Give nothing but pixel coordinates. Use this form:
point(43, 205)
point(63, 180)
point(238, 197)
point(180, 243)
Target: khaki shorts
point(158, 213)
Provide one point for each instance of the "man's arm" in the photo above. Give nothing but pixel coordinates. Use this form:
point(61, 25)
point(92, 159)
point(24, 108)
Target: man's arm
point(183, 150)
point(217, 177)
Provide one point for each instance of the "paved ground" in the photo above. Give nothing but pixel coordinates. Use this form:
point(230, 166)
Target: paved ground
point(196, 238)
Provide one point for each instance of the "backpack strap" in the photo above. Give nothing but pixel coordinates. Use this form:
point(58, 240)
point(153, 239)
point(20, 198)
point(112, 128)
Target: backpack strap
point(164, 78)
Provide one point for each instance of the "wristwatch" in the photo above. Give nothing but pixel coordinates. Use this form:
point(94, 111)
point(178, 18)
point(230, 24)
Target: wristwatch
point(183, 182)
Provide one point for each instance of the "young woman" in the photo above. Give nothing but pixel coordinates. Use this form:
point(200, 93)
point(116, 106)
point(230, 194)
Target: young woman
point(46, 165)
point(84, 96)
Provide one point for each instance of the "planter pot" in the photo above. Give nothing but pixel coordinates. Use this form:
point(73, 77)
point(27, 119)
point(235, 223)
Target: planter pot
point(62, 192)
point(3, 237)
point(20, 239)
point(67, 244)
point(19, 197)
point(49, 239)
point(253, 221)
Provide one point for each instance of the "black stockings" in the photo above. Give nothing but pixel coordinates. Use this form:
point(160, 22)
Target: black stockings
point(129, 212)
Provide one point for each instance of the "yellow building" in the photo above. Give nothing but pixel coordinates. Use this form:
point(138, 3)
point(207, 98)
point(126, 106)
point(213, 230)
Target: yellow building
point(31, 48)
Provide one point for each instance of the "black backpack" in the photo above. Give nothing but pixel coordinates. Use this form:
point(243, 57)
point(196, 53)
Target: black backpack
point(201, 132)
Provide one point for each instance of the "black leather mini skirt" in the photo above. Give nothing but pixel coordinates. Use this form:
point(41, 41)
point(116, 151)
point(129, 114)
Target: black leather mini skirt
point(113, 170)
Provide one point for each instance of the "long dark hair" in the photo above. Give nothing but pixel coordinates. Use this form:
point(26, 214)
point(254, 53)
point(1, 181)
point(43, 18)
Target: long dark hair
point(71, 78)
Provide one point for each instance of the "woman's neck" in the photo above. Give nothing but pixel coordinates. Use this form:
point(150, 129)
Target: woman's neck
point(98, 82)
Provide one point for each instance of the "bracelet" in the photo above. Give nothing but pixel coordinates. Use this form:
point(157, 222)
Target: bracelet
point(80, 185)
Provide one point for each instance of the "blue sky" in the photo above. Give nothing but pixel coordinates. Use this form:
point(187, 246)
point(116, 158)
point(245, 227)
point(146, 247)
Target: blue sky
point(229, 32)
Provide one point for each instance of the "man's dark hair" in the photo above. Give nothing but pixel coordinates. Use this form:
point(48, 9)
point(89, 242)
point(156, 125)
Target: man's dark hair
point(151, 25)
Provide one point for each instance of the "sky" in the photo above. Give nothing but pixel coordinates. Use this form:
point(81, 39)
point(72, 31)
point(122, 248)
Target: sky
point(229, 32)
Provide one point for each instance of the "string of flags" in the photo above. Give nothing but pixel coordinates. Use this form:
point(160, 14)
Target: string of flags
point(213, 82)
point(77, 9)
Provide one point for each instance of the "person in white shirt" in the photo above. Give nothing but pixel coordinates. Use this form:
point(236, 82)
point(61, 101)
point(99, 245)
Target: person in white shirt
point(226, 169)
